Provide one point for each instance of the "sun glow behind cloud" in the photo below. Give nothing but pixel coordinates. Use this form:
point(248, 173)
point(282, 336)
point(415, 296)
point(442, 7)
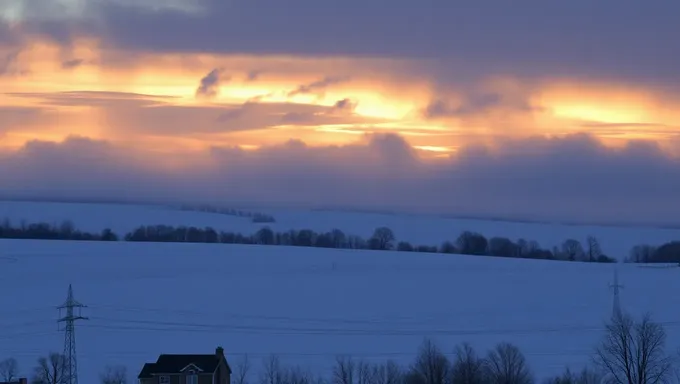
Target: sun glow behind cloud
point(318, 101)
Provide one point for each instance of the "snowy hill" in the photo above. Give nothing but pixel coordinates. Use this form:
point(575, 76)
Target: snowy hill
point(308, 304)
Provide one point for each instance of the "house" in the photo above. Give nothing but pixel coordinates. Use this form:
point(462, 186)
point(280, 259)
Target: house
point(21, 380)
point(187, 369)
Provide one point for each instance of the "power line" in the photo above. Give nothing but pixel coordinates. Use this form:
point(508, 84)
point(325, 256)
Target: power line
point(18, 335)
point(361, 328)
point(387, 319)
point(172, 326)
point(301, 354)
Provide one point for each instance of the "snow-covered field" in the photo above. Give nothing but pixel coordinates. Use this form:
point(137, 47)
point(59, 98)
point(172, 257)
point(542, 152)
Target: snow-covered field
point(421, 230)
point(307, 305)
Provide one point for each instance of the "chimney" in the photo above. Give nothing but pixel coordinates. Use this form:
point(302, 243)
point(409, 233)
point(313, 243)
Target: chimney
point(219, 351)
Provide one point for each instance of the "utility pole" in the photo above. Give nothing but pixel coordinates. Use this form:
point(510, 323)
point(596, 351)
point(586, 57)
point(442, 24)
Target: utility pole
point(71, 368)
point(616, 310)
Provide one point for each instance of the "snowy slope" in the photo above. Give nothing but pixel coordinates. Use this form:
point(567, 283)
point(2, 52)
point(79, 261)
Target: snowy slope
point(422, 230)
point(308, 304)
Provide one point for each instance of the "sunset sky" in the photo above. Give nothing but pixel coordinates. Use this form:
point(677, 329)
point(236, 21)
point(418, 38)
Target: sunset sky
point(541, 109)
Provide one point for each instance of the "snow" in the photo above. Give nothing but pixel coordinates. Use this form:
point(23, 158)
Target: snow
point(417, 229)
point(308, 305)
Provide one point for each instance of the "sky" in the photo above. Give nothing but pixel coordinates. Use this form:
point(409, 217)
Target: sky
point(544, 110)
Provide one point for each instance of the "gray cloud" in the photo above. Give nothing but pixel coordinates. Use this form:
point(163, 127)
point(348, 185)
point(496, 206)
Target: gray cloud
point(478, 104)
point(570, 179)
point(152, 114)
point(210, 83)
point(7, 36)
point(73, 63)
point(92, 98)
point(8, 63)
point(255, 115)
point(319, 86)
point(254, 75)
point(345, 105)
point(155, 116)
point(296, 117)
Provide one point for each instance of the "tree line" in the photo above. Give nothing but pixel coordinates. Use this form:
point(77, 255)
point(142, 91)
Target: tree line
point(45, 231)
point(256, 217)
point(631, 352)
point(383, 238)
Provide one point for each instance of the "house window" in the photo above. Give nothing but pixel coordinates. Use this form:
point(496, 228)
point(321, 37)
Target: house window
point(164, 380)
point(192, 378)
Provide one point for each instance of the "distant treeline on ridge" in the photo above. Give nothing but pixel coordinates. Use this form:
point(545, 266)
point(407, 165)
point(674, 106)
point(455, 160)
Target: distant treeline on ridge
point(382, 239)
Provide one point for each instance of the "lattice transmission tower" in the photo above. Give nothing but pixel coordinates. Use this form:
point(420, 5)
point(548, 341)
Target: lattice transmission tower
point(71, 363)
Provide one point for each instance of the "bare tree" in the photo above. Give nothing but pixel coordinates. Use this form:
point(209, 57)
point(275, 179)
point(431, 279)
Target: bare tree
point(641, 253)
point(594, 251)
point(114, 375)
point(506, 365)
point(275, 373)
point(472, 243)
point(589, 376)
point(502, 246)
point(586, 376)
point(633, 352)
point(9, 369)
point(296, 375)
point(364, 372)
point(467, 368)
point(51, 370)
point(349, 371)
point(383, 239)
point(272, 372)
point(572, 250)
point(388, 373)
point(431, 365)
point(241, 371)
point(265, 235)
point(344, 370)
point(339, 238)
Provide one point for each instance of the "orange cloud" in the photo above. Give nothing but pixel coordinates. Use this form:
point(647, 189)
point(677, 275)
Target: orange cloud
point(151, 99)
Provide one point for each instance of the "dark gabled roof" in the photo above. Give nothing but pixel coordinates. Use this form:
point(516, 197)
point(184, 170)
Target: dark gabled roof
point(147, 370)
point(175, 363)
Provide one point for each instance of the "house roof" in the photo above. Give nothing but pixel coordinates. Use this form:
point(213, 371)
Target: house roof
point(175, 363)
point(147, 370)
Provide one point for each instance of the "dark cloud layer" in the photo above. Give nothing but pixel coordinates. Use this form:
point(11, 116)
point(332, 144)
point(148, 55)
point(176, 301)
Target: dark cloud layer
point(567, 179)
point(613, 37)
point(627, 39)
